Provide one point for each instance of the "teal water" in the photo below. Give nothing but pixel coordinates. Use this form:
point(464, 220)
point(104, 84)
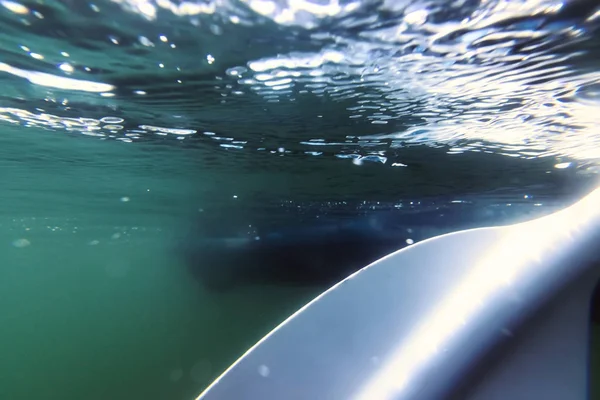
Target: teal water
point(125, 123)
point(94, 303)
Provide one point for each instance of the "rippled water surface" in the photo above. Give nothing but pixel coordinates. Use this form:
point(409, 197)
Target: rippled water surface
point(124, 123)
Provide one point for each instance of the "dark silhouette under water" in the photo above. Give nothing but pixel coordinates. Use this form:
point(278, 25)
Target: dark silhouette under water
point(320, 252)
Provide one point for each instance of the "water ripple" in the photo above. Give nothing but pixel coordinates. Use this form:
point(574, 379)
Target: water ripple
point(517, 78)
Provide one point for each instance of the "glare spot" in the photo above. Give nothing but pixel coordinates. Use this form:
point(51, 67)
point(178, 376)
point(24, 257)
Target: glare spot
point(416, 17)
point(20, 243)
point(37, 56)
point(210, 59)
point(263, 7)
point(397, 164)
point(15, 7)
point(94, 242)
point(125, 199)
point(409, 241)
point(147, 9)
point(562, 165)
point(64, 54)
point(61, 82)
point(94, 8)
point(25, 48)
point(140, 92)
point(66, 67)
point(114, 40)
point(161, 65)
point(235, 196)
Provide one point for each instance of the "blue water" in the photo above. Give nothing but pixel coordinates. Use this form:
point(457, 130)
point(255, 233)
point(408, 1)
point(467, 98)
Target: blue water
point(127, 124)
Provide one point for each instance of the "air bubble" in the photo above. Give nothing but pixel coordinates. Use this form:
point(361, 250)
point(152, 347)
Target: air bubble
point(201, 371)
point(117, 269)
point(236, 71)
point(264, 371)
point(507, 332)
point(111, 120)
point(176, 375)
point(113, 127)
point(20, 243)
point(145, 41)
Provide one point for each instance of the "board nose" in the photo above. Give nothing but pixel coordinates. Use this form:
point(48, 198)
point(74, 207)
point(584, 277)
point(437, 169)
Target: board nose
point(490, 313)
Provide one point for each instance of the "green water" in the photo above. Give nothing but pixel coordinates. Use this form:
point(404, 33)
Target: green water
point(94, 301)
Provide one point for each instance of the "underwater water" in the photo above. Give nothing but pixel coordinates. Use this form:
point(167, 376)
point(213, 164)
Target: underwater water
point(128, 125)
